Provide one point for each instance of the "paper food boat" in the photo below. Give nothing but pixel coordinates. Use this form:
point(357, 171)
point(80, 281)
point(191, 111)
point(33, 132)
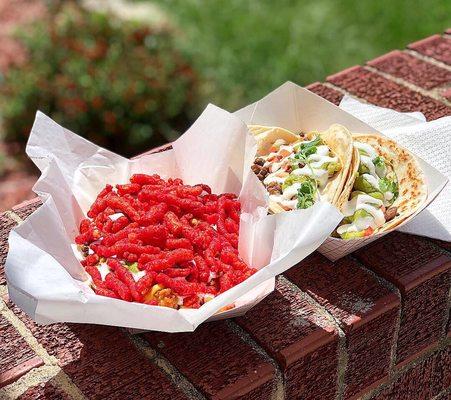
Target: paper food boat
point(47, 281)
point(297, 109)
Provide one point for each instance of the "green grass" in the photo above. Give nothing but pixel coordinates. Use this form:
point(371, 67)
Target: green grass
point(243, 48)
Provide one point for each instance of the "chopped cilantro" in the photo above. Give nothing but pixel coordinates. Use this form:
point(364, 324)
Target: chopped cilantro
point(306, 194)
point(305, 149)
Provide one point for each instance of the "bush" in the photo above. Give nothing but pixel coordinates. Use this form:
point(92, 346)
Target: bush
point(118, 84)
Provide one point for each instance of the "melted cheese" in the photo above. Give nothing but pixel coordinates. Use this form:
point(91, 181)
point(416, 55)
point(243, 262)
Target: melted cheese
point(104, 270)
point(116, 216)
point(138, 275)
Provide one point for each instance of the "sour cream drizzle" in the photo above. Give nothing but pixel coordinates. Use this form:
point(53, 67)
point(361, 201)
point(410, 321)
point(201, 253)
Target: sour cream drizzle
point(276, 162)
point(369, 204)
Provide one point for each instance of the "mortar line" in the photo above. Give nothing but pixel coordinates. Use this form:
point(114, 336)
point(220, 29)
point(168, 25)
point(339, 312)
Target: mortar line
point(279, 391)
point(342, 350)
point(27, 335)
point(3, 292)
point(39, 350)
point(63, 381)
point(428, 93)
point(428, 59)
point(173, 374)
point(393, 288)
point(34, 377)
point(344, 92)
point(443, 392)
point(441, 345)
point(12, 215)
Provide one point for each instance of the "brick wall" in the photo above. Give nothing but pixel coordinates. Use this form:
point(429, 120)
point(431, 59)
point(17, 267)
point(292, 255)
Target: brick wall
point(374, 325)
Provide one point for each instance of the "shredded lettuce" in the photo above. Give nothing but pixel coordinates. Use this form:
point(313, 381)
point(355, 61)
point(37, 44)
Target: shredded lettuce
point(379, 162)
point(381, 168)
point(388, 185)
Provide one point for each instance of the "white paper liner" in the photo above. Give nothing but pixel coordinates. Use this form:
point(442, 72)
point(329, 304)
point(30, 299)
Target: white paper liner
point(297, 109)
point(45, 278)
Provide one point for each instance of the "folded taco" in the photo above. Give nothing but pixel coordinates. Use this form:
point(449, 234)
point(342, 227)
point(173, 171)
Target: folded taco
point(298, 170)
point(386, 188)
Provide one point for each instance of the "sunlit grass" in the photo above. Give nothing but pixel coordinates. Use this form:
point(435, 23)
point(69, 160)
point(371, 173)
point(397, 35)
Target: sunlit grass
point(245, 48)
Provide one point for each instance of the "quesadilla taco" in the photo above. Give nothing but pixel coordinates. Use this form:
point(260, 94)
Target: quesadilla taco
point(299, 170)
point(387, 187)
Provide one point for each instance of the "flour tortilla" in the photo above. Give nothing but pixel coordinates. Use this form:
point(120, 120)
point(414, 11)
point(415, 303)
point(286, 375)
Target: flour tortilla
point(267, 135)
point(352, 175)
point(337, 138)
point(411, 180)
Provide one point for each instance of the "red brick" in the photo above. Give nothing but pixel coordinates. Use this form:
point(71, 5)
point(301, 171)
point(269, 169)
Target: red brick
point(441, 243)
point(327, 93)
point(16, 357)
point(44, 391)
point(24, 209)
point(217, 361)
point(366, 310)
point(435, 46)
point(383, 92)
point(6, 224)
point(417, 382)
point(447, 94)
point(412, 69)
point(421, 272)
point(304, 344)
point(102, 361)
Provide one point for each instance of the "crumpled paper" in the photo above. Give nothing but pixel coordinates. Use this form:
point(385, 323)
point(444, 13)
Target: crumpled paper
point(44, 276)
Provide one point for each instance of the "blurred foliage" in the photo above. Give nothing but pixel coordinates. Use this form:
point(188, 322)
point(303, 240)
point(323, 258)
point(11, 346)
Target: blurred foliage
point(118, 84)
point(245, 48)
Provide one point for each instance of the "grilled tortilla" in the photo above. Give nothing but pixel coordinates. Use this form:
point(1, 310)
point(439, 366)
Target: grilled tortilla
point(387, 187)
